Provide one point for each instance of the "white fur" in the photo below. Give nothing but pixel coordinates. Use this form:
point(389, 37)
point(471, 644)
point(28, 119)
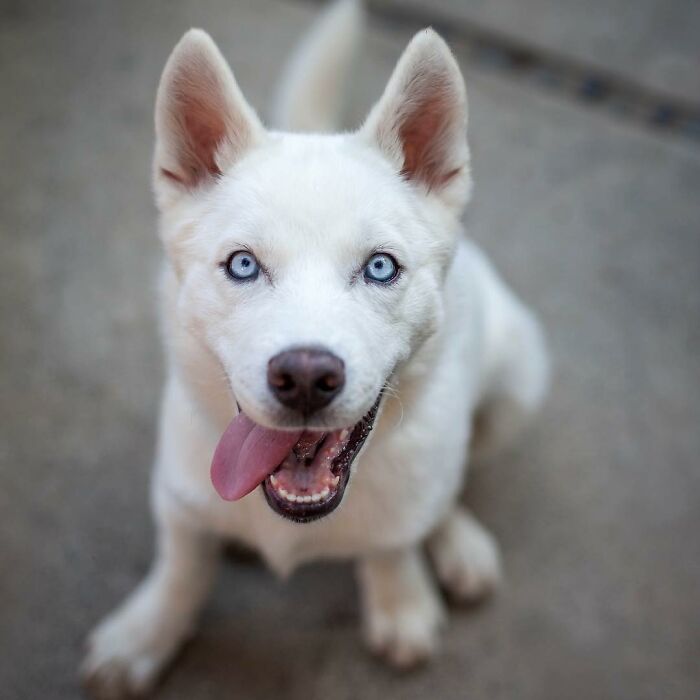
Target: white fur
point(449, 335)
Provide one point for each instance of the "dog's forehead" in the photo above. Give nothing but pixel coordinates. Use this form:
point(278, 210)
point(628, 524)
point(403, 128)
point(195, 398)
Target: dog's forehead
point(321, 184)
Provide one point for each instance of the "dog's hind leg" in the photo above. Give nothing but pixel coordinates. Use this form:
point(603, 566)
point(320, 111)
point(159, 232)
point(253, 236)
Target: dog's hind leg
point(131, 646)
point(402, 609)
point(465, 556)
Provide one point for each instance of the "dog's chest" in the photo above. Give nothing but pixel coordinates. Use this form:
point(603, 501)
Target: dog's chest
point(399, 491)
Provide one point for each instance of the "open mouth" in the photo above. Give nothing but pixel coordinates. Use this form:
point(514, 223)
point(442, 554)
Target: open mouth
point(303, 473)
point(311, 480)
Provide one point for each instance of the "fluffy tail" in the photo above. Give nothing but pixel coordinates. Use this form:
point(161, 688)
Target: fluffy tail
point(310, 94)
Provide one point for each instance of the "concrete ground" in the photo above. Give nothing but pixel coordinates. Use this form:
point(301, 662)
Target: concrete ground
point(653, 43)
point(594, 221)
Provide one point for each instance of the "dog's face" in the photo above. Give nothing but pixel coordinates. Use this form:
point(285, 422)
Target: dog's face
point(310, 266)
point(312, 244)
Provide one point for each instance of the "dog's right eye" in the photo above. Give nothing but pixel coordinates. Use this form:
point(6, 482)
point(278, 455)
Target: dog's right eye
point(242, 266)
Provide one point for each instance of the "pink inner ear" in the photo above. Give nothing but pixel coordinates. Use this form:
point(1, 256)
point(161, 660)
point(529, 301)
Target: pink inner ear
point(206, 131)
point(199, 117)
point(424, 134)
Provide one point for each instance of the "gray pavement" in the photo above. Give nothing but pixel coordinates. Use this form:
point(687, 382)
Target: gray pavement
point(595, 222)
point(650, 42)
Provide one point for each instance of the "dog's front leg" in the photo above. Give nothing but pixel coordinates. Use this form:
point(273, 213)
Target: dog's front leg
point(133, 644)
point(402, 609)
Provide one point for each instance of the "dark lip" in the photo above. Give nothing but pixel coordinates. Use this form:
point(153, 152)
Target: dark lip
point(307, 512)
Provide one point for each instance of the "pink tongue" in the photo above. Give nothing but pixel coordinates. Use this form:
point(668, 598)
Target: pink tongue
point(246, 454)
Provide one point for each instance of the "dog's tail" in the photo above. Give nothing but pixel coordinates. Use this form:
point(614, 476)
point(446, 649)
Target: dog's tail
point(310, 94)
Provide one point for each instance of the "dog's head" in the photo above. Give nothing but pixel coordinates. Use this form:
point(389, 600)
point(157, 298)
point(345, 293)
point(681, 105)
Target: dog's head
point(311, 266)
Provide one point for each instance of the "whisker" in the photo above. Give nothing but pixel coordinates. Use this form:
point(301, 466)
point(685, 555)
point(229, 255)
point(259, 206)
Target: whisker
point(393, 393)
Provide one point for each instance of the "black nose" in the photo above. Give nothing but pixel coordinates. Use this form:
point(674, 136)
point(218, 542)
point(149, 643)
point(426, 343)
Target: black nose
point(306, 379)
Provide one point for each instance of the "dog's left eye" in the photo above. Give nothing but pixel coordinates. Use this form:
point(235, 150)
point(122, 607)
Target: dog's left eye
point(242, 266)
point(381, 268)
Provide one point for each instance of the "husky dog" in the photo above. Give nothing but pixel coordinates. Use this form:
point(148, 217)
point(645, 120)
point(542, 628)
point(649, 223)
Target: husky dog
point(331, 337)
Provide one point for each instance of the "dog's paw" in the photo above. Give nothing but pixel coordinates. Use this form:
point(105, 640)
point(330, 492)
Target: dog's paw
point(407, 634)
point(124, 658)
point(466, 558)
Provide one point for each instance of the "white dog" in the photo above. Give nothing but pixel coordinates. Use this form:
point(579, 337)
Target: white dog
point(330, 338)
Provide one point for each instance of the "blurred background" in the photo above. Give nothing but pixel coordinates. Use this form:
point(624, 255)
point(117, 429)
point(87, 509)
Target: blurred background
point(585, 132)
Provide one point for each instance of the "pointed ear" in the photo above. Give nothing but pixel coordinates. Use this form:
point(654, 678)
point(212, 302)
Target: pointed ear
point(203, 122)
point(420, 122)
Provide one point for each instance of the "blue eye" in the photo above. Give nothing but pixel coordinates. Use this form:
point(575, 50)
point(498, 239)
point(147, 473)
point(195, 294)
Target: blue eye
point(381, 268)
point(242, 266)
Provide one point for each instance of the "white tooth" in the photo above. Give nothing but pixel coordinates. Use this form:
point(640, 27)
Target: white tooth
point(291, 497)
point(336, 480)
point(283, 493)
point(273, 479)
point(344, 434)
point(307, 499)
point(325, 492)
point(316, 497)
